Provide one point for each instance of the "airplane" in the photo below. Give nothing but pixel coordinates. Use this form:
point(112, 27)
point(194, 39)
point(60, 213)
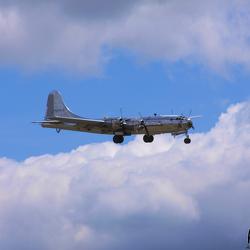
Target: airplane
point(59, 116)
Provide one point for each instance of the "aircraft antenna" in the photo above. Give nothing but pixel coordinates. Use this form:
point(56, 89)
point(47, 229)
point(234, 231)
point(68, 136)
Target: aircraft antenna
point(139, 113)
point(172, 111)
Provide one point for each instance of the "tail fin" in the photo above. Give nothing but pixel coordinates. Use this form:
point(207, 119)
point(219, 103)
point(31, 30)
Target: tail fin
point(56, 106)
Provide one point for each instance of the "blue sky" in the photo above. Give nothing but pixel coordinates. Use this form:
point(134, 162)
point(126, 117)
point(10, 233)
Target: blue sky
point(153, 87)
point(77, 190)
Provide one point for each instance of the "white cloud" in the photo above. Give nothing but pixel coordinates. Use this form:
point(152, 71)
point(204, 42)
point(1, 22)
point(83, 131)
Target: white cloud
point(143, 196)
point(71, 34)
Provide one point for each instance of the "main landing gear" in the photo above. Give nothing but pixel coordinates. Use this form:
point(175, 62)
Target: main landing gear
point(148, 138)
point(187, 140)
point(118, 139)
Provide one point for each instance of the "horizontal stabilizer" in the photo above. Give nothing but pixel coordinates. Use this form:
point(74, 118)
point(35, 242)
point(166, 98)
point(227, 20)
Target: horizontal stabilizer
point(51, 122)
point(77, 120)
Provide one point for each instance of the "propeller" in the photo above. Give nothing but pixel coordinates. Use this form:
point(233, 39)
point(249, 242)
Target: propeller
point(190, 124)
point(121, 120)
point(121, 110)
point(143, 124)
point(189, 118)
point(190, 112)
point(192, 117)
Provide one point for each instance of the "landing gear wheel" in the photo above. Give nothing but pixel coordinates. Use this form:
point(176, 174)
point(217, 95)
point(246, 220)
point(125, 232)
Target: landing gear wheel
point(187, 140)
point(118, 139)
point(148, 138)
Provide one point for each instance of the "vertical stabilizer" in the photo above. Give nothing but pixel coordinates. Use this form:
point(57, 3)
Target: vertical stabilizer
point(56, 106)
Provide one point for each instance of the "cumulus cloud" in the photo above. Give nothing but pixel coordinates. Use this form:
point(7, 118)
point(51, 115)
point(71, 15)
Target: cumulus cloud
point(140, 196)
point(72, 34)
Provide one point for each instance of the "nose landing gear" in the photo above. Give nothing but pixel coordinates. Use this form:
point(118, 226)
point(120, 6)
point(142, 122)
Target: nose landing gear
point(187, 140)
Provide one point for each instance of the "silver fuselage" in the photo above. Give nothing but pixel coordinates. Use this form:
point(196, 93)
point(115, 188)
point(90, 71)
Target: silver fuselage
point(131, 125)
point(59, 116)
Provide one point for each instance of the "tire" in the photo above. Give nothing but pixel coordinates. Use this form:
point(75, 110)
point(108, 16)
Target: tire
point(187, 140)
point(148, 138)
point(145, 138)
point(118, 139)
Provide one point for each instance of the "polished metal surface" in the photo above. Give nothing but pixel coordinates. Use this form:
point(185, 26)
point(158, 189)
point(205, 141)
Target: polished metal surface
point(59, 116)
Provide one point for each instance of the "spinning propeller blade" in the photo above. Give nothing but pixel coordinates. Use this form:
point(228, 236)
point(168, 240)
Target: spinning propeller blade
point(190, 112)
point(121, 120)
point(143, 124)
point(193, 117)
